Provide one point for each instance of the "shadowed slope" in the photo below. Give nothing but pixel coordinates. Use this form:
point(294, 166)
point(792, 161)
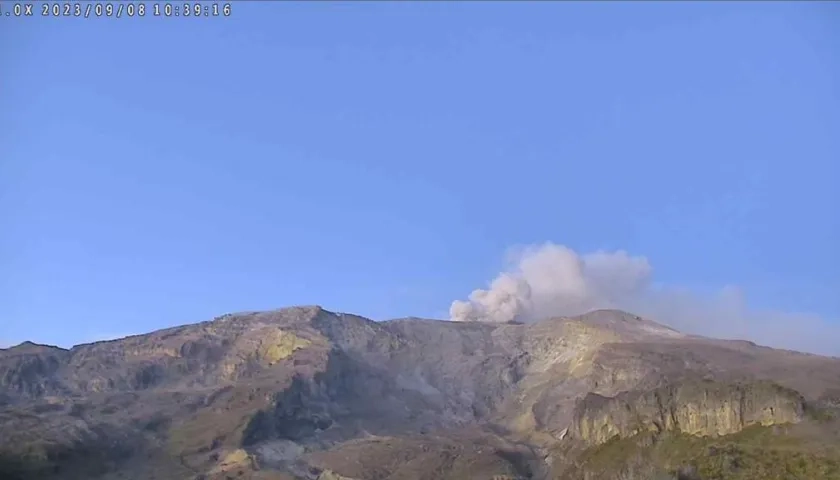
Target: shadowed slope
point(305, 391)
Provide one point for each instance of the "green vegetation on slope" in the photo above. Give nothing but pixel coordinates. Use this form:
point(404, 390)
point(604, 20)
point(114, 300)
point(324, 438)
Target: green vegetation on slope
point(803, 452)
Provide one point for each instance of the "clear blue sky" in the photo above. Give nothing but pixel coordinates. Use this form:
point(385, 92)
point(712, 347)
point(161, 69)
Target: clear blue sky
point(379, 158)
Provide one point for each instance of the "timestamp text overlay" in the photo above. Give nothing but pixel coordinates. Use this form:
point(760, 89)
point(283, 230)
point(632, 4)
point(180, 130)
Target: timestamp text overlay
point(12, 9)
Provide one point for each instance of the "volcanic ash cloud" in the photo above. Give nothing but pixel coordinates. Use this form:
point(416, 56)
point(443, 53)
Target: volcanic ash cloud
point(550, 279)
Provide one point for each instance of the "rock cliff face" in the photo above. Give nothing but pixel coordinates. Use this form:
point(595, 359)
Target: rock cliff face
point(28, 370)
point(698, 408)
point(307, 393)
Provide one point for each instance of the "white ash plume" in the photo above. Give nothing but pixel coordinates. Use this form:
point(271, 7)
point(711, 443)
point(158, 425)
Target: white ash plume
point(553, 280)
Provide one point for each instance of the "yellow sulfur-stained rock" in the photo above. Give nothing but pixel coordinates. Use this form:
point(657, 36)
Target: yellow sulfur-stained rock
point(279, 344)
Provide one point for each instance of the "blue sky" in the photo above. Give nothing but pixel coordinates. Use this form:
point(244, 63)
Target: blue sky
point(382, 158)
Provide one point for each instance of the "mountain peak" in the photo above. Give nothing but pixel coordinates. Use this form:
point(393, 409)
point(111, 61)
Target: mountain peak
point(304, 390)
point(625, 315)
point(31, 347)
point(626, 323)
point(26, 350)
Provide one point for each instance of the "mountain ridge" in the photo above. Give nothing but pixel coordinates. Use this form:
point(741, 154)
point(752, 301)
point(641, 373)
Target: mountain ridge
point(622, 314)
point(291, 391)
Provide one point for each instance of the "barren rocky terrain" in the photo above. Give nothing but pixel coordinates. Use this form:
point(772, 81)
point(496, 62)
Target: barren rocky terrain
point(304, 393)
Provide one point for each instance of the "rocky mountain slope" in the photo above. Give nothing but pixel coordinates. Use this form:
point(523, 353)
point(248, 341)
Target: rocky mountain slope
point(310, 394)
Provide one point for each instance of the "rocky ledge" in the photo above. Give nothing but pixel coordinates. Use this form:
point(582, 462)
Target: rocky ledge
point(700, 407)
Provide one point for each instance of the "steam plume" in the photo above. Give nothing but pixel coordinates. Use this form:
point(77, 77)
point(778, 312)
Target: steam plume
point(553, 280)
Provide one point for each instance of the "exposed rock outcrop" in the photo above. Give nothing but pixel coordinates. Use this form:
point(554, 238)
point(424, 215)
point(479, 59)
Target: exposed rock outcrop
point(310, 393)
point(701, 407)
